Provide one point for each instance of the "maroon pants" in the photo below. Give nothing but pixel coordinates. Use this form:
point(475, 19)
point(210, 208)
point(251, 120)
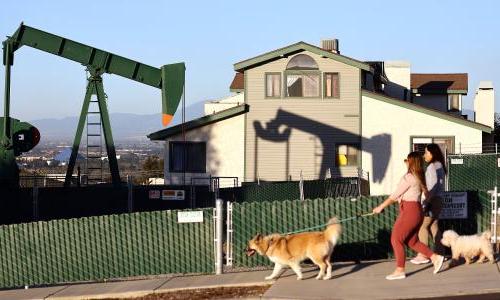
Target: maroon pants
point(405, 231)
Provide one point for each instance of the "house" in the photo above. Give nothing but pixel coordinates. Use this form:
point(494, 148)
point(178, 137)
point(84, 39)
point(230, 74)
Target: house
point(310, 111)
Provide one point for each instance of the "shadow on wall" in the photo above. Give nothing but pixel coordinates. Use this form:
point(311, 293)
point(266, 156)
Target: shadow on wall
point(279, 130)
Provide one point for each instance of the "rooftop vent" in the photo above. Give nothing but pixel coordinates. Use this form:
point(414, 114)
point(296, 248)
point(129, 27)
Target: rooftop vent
point(331, 45)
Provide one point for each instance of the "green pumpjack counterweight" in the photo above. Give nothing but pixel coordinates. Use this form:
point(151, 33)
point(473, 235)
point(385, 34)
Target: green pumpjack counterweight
point(169, 78)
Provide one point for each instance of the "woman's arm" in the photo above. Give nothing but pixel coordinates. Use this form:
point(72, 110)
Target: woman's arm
point(403, 186)
point(383, 205)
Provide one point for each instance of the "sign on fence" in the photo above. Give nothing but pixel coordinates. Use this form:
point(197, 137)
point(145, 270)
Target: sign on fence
point(190, 216)
point(154, 194)
point(172, 195)
point(454, 205)
point(457, 161)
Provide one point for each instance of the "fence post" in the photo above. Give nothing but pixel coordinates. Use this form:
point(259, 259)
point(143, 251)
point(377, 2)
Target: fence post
point(301, 186)
point(218, 236)
point(35, 203)
point(130, 196)
point(494, 217)
point(229, 235)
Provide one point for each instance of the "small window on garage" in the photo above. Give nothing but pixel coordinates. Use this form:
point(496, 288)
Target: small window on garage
point(188, 157)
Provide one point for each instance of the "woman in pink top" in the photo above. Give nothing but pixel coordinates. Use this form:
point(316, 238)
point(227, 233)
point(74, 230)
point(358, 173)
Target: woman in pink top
point(405, 230)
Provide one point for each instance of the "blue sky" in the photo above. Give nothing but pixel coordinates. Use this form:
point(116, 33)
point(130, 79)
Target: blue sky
point(210, 36)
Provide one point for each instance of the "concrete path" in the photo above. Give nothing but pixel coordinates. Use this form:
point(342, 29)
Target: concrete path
point(367, 281)
point(350, 281)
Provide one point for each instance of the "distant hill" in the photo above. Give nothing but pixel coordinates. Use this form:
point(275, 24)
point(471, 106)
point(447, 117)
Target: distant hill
point(125, 126)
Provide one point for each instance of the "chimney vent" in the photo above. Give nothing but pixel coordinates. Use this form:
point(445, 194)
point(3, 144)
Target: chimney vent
point(331, 45)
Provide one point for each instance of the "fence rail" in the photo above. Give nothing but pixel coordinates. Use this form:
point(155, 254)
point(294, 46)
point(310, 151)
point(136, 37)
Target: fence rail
point(104, 247)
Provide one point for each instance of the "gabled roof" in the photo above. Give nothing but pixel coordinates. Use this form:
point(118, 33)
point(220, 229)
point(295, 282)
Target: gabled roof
point(439, 83)
point(238, 84)
point(296, 48)
point(200, 122)
point(426, 110)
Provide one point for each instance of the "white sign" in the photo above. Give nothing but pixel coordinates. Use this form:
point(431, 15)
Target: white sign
point(457, 161)
point(172, 195)
point(190, 216)
point(454, 205)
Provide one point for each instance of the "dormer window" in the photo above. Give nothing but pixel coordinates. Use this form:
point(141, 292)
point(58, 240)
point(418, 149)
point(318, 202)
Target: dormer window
point(302, 77)
point(302, 62)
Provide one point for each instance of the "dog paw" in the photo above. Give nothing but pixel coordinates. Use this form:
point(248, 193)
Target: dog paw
point(269, 277)
point(299, 278)
point(318, 277)
point(327, 277)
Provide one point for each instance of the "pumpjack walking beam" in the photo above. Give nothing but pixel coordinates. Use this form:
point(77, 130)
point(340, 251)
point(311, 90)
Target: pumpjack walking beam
point(168, 78)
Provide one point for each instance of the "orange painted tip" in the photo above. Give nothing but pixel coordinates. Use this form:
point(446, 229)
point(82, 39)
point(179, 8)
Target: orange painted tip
point(166, 119)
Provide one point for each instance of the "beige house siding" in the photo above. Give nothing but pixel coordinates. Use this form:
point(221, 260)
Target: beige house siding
point(225, 148)
point(314, 124)
point(387, 129)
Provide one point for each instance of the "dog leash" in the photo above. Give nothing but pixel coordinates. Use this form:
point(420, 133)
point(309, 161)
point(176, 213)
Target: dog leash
point(326, 224)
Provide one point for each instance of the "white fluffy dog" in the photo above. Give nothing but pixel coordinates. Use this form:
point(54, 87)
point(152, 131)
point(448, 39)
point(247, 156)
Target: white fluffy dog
point(469, 246)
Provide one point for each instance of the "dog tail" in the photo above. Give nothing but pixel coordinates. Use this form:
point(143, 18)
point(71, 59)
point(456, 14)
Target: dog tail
point(486, 235)
point(333, 230)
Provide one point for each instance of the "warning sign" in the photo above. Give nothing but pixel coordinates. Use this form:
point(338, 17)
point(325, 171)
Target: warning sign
point(454, 205)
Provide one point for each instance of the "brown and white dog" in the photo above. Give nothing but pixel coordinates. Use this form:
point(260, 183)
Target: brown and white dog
point(469, 246)
point(291, 250)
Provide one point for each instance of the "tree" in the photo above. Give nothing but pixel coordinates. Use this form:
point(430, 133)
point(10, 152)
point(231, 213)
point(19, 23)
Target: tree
point(152, 167)
point(496, 130)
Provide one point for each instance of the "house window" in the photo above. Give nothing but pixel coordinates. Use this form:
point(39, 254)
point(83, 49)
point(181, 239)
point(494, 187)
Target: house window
point(454, 102)
point(347, 155)
point(332, 88)
point(302, 85)
point(446, 144)
point(188, 157)
point(273, 85)
point(302, 77)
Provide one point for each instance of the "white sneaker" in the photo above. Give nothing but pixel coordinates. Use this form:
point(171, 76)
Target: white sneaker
point(438, 264)
point(395, 276)
point(419, 260)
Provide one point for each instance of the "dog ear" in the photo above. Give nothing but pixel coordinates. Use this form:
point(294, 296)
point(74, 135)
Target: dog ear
point(258, 237)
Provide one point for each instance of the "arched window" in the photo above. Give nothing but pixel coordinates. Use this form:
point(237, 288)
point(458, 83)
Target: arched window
point(302, 62)
point(302, 77)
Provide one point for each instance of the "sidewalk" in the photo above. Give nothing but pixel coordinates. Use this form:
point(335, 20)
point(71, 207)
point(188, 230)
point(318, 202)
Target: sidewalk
point(350, 281)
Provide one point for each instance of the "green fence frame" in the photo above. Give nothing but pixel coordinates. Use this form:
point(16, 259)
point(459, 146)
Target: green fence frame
point(104, 247)
point(362, 239)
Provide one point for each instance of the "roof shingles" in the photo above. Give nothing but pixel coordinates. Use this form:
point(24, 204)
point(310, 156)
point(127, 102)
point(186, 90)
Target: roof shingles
point(439, 82)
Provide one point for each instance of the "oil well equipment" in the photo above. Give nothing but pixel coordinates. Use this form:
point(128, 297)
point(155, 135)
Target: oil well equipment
point(17, 137)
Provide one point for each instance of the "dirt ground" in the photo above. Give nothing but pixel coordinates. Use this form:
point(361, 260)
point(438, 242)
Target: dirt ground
point(212, 293)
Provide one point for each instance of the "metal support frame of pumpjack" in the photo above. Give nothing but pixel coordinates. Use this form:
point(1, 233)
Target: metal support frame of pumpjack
point(95, 87)
point(169, 78)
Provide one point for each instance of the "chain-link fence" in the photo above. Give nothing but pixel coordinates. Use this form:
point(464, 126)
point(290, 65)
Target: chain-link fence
point(99, 248)
point(289, 190)
point(473, 171)
point(362, 238)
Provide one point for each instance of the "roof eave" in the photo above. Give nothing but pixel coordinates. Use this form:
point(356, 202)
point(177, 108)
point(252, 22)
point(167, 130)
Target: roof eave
point(297, 47)
point(197, 123)
point(428, 111)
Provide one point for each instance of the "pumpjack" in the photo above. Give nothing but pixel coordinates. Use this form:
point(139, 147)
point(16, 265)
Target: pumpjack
point(17, 137)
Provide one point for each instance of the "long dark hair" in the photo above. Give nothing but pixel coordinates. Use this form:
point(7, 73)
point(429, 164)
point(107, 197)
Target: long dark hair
point(437, 155)
point(416, 167)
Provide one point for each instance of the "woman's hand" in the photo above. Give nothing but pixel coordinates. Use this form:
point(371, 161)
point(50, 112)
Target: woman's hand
point(378, 209)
